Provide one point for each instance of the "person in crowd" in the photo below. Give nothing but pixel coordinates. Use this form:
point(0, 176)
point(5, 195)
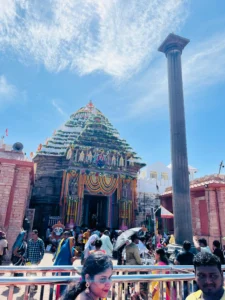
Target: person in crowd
point(128, 242)
point(132, 252)
point(106, 243)
point(86, 236)
point(185, 258)
point(153, 241)
point(3, 246)
point(218, 252)
point(65, 236)
point(47, 235)
point(95, 280)
point(35, 249)
point(98, 247)
point(161, 260)
point(143, 231)
point(201, 245)
point(80, 240)
point(209, 277)
point(18, 251)
point(158, 238)
point(66, 257)
point(90, 245)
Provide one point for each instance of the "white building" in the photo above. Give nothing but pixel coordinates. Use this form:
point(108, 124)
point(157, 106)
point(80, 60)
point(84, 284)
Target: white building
point(152, 181)
point(155, 178)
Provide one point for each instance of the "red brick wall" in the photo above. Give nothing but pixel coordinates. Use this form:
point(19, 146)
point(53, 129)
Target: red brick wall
point(20, 176)
point(208, 209)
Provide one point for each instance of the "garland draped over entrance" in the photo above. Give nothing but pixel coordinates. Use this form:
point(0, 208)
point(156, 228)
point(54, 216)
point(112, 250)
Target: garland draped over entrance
point(72, 207)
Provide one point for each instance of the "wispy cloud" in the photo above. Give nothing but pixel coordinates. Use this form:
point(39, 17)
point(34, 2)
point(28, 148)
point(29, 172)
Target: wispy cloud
point(203, 65)
point(7, 90)
point(59, 109)
point(117, 37)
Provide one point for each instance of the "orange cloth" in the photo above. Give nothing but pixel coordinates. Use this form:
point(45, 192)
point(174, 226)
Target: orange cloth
point(86, 236)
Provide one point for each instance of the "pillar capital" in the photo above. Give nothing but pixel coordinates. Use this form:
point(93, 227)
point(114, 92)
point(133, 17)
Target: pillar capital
point(173, 42)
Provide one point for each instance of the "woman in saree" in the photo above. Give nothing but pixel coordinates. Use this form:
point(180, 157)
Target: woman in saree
point(66, 257)
point(161, 260)
point(18, 250)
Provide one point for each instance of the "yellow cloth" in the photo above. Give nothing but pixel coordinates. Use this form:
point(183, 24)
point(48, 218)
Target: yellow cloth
point(86, 236)
point(172, 239)
point(198, 295)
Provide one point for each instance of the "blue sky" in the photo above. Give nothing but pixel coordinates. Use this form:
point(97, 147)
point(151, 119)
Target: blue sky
point(57, 55)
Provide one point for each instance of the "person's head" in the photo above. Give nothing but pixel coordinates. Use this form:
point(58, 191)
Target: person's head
point(66, 235)
point(143, 226)
point(186, 245)
point(128, 242)
point(34, 234)
point(106, 232)
point(202, 242)
point(135, 239)
point(160, 255)
point(96, 275)
point(209, 276)
point(98, 244)
point(216, 245)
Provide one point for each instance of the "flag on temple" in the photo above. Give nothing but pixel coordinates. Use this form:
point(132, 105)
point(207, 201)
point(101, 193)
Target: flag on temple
point(6, 132)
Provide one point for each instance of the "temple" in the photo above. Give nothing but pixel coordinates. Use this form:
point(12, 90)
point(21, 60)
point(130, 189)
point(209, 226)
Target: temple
point(86, 174)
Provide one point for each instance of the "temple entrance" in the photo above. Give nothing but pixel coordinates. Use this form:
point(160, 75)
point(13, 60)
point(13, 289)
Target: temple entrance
point(95, 211)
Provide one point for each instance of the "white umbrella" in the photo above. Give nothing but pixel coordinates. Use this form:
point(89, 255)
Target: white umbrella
point(121, 240)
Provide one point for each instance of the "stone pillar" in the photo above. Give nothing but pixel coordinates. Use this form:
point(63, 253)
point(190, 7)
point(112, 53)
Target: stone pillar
point(172, 47)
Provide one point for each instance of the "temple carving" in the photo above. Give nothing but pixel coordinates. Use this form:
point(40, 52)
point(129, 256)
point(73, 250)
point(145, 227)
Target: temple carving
point(86, 174)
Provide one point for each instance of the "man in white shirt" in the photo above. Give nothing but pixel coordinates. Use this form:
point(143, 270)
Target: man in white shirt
point(106, 243)
point(3, 246)
point(201, 245)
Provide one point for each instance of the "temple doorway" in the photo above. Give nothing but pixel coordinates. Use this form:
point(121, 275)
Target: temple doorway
point(95, 211)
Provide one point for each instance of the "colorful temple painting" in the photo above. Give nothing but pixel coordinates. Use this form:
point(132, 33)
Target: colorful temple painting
point(86, 174)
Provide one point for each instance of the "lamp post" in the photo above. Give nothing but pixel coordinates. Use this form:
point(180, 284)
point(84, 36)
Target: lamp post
point(172, 47)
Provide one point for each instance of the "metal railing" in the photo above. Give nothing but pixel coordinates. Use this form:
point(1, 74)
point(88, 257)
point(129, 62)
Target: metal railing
point(123, 283)
point(120, 284)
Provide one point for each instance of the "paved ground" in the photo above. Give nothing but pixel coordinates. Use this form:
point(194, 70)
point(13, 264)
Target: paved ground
point(19, 292)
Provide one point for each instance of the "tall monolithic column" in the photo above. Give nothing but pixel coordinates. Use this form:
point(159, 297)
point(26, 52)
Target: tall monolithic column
point(172, 47)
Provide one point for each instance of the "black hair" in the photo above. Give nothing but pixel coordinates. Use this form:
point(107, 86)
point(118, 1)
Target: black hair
point(134, 237)
point(35, 231)
point(94, 264)
point(106, 232)
point(216, 244)
point(203, 241)
point(187, 245)
point(98, 243)
point(162, 256)
point(206, 259)
point(67, 233)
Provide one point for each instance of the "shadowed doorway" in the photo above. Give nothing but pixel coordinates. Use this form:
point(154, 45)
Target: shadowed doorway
point(95, 211)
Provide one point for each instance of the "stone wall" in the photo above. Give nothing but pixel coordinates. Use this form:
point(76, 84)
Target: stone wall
point(15, 185)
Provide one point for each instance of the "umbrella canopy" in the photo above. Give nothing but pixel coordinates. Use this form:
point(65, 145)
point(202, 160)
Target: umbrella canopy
point(165, 214)
point(121, 240)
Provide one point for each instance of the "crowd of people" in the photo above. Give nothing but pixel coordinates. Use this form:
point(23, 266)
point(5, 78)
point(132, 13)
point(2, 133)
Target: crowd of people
point(96, 248)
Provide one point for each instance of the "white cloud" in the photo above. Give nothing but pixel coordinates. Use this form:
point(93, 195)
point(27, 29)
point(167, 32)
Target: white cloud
point(114, 36)
point(203, 65)
point(59, 109)
point(7, 90)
